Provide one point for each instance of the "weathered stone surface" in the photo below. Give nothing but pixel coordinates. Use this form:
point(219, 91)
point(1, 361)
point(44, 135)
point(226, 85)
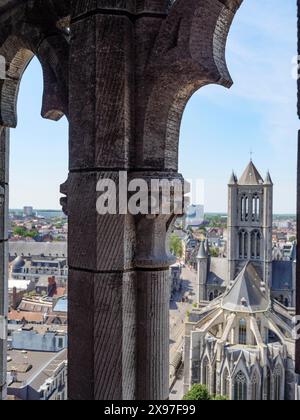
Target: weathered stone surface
point(122, 76)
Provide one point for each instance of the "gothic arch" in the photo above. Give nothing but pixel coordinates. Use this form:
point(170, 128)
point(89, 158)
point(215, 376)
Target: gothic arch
point(184, 42)
point(18, 47)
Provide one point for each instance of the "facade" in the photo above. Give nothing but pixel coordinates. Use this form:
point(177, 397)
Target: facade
point(39, 339)
point(241, 345)
point(250, 223)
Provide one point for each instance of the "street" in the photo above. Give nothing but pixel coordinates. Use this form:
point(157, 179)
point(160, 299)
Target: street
point(178, 316)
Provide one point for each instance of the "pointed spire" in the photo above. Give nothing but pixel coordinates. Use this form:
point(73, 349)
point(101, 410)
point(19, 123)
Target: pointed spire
point(233, 179)
point(268, 180)
point(251, 176)
point(202, 254)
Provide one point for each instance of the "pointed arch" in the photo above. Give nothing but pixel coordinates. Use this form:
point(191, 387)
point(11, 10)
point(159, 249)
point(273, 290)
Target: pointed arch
point(240, 387)
point(255, 386)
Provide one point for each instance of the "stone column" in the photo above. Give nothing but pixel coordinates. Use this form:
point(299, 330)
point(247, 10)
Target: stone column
point(102, 295)
point(152, 263)
point(4, 164)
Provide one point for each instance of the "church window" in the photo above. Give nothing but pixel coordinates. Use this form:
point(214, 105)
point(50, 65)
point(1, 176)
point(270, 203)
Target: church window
point(255, 387)
point(277, 383)
point(243, 244)
point(268, 385)
point(206, 373)
point(226, 384)
point(255, 244)
point(243, 332)
point(240, 387)
point(255, 208)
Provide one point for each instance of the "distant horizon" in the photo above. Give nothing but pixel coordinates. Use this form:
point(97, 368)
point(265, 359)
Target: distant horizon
point(222, 213)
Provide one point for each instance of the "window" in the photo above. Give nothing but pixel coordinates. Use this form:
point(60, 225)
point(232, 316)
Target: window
point(240, 387)
point(277, 383)
point(205, 373)
point(60, 343)
point(255, 387)
point(255, 244)
point(243, 332)
point(255, 208)
point(243, 244)
point(268, 385)
point(226, 384)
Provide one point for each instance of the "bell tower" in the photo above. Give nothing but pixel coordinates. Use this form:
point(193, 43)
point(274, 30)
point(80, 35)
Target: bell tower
point(250, 220)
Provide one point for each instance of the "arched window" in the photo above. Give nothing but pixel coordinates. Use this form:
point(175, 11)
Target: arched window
point(226, 384)
point(255, 208)
point(255, 387)
point(255, 244)
point(243, 332)
point(286, 303)
point(277, 383)
point(216, 294)
point(243, 208)
point(240, 387)
point(268, 385)
point(246, 209)
point(206, 373)
point(211, 297)
point(243, 244)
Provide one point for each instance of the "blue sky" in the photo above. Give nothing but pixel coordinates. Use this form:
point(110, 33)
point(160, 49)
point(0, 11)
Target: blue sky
point(219, 127)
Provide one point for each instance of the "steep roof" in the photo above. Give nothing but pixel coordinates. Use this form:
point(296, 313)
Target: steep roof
point(282, 275)
point(246, 295)
point(251, 176)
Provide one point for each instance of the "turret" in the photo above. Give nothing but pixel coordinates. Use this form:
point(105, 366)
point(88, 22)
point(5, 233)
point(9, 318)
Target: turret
point(202, 272)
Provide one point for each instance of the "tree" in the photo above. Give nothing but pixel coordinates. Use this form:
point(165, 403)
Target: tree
point(214, 252)
point(219, 398)
point(198, 393)
point(176, 246)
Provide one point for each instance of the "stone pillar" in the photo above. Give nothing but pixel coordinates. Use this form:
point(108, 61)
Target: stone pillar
point(133, 67)
point(4, 163)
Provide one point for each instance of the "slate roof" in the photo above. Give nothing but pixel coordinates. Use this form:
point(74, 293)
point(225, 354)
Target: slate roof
point(251, 176)
point(282, 277)
point(35, 249)
point(218, 271)
point(246, 295)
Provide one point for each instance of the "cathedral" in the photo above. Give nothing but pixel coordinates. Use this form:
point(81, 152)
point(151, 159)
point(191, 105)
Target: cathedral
point(240, 345)
point(250, 222)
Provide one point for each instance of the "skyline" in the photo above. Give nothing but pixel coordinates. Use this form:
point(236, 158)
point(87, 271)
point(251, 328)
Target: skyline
point(258, 113)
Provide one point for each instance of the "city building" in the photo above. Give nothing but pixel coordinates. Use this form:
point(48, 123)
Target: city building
point(250, 216)
point(28, 211)
point(39, 338)
point(194, 216)
point(37, 376)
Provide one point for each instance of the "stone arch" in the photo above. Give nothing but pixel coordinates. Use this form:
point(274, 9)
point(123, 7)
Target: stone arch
point(177, 65)
point(255, 386)
point(226, 383)
point(52, 53)
point(240, 387)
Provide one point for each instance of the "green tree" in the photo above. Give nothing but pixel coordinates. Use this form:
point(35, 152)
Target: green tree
point(19, 231)
point(219, 398)
point(176, 246)
point(198, 393)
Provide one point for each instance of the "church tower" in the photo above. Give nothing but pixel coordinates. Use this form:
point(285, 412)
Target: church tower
point(250, 220)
